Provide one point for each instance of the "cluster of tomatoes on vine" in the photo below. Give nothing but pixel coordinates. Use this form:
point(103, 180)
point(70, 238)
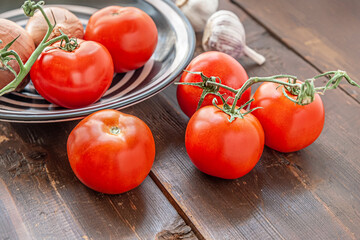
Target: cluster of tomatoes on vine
point(228, 129)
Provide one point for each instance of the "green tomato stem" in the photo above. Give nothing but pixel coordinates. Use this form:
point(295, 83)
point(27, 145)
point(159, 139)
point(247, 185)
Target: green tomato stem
point(223, 86)
point(17, 57)
point(50, 26)
point(305, 91)
point(29, 8)
point(252, 81)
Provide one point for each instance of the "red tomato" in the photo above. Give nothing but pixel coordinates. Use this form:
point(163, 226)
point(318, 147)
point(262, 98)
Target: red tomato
point(111, 152)
point(220, 148)
point(128, 33)
point(215, 64)
point(288, 126)
point(73, 79)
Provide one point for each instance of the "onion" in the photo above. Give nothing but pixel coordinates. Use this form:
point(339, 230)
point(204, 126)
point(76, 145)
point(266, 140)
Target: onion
point(23, 46)
point(65, 20)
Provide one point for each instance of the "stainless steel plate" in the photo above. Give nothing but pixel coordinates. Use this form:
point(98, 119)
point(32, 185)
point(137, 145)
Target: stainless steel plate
point(174, 51)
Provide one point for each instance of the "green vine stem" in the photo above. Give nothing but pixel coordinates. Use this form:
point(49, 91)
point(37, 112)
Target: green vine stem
point(7, 55)
point(304, 92)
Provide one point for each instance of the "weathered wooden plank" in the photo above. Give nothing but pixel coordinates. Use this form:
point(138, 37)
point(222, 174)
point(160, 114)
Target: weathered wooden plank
point(49, 202)
point(11, 224)
point(22, 171)
point(325, 32)
point(311, 194)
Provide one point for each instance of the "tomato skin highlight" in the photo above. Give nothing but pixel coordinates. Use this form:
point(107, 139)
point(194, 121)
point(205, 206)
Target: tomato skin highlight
point(215, 64)
point(288, 127)
point(73, 79)
point(111, 152)
point(220, 148)
point(128, 33)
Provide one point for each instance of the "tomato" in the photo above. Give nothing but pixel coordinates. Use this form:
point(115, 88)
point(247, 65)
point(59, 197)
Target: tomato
point(111, 152)
point(215, 64)
point(73, 79)
point(128, 33)
point(288, 126)
point(220, 148)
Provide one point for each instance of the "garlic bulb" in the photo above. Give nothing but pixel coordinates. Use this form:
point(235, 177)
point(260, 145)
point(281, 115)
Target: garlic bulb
point(198, 11)
point(65, 20)
point(225, 33)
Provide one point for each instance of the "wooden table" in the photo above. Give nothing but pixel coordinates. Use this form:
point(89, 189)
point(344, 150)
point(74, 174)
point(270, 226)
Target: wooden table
point(310, 194)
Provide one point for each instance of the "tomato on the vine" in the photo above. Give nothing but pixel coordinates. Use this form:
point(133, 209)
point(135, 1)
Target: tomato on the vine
point(288, 126)
point(216, 64)
point(221, 148)
point(128, 33)
point(73, 79)
point(111, 152)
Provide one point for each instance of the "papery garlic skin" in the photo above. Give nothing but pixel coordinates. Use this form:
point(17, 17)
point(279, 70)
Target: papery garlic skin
point(225, 33)
point(198, 11)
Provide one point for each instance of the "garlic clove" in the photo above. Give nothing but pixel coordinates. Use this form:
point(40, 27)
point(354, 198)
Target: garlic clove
point(180, 3)
point(225, 33)
point(258, 58)
point(198, 11)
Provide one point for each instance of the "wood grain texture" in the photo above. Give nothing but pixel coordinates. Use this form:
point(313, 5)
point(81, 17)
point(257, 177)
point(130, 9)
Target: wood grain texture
point(42, 199)
point(311, 194)
point(10, 221)
point(324, 32)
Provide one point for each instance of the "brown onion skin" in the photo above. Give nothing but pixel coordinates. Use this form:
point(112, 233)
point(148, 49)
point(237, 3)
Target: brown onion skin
point(24, 46)
point(65, 20)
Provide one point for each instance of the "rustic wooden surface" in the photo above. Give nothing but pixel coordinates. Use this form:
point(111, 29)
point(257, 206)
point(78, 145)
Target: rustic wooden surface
point(310, 194)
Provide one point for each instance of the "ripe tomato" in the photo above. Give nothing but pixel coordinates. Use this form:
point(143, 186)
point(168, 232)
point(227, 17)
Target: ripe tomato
point(215, 64)
point(220, 148)
point(111, 152)
point(73, 79)
point(288, 126)
point(128, 33)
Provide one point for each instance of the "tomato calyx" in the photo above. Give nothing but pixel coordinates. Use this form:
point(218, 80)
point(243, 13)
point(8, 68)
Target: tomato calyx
point(212, 85)
point(67, 44)
point(208, 85)
point(306, 93)
point(115, 130)
point(233, 113)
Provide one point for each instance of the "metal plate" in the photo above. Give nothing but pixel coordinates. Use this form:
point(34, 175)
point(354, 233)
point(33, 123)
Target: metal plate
point(174, 51)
